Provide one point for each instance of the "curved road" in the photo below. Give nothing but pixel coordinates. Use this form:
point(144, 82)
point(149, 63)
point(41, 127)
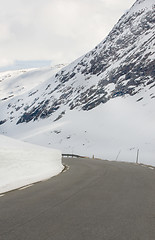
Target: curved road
point(93, 200)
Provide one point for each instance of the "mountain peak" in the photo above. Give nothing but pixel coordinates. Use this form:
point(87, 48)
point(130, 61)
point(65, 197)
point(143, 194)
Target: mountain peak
point(142, 4)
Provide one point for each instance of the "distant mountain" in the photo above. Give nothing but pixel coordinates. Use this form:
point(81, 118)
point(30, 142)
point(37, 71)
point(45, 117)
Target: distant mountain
point(18, 82)
point(120, 70)
point(20, 65)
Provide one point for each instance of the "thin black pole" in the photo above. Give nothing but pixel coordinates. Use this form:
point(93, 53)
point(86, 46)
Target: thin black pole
point(118, 155)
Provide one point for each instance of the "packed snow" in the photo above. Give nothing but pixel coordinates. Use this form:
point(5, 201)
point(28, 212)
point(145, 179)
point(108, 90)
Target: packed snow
point(22, 163)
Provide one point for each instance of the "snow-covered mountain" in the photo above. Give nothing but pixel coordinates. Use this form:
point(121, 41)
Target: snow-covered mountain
point(102, 103)
point(17, 82)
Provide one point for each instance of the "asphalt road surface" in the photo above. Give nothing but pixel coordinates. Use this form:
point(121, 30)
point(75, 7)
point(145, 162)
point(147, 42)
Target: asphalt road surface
point(93, 200)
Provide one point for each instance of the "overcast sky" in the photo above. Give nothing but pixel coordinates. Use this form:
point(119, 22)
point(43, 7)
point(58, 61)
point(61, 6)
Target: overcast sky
point(56, 30)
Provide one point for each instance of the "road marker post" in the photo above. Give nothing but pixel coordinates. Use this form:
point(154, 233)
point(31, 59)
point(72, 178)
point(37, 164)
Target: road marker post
point(137, 158)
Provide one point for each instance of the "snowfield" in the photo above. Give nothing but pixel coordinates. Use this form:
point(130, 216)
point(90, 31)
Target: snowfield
point(112, 131)
point(22, 163)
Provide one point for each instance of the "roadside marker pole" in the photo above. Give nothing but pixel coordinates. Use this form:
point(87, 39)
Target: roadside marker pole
point(118, 155)
point(137, 156)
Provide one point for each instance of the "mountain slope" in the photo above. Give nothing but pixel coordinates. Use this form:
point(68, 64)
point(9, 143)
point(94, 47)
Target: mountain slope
point(120, 72)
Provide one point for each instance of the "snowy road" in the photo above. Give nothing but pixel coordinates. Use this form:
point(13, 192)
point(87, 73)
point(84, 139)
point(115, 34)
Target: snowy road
point(93, 200)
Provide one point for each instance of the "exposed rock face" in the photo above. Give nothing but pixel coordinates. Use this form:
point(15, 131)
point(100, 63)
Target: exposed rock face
point(123, 64)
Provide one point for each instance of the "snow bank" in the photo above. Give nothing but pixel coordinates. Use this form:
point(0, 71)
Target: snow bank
point(23, 163)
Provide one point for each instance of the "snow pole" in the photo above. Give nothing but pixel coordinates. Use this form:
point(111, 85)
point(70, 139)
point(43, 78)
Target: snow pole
point(118, 155)
point(137, 158)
